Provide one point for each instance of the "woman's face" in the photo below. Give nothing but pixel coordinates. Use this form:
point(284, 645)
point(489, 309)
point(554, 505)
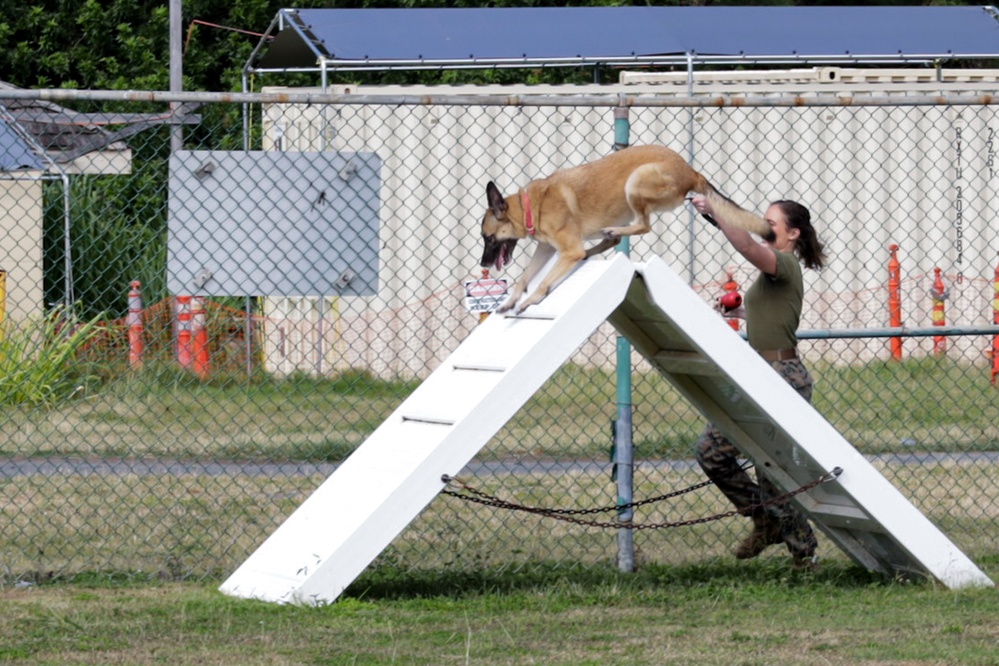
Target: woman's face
point(784, 237)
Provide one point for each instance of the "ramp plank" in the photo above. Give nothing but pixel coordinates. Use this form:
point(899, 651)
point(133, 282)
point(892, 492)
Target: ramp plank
point(782, 433)
point(329, 540)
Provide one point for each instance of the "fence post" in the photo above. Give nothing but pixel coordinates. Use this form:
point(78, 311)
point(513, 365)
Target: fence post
point(624, 453)
point(938, 294)
point(895, 299)
point(136, 347)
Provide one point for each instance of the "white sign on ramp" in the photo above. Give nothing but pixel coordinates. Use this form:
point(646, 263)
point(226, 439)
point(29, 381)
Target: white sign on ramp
point(340, 529)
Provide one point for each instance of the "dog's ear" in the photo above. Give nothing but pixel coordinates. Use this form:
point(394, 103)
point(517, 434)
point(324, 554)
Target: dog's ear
point(496, 201)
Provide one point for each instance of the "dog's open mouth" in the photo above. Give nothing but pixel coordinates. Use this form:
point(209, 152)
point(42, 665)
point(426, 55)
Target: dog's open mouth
point(497, 254)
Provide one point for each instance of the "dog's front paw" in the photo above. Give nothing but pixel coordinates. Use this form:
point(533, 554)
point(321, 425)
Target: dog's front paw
point(533, 299)
point(611, 234)
point(506, 307)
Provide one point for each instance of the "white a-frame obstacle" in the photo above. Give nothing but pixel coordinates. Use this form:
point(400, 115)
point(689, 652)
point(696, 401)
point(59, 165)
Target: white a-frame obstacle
point(340, 529)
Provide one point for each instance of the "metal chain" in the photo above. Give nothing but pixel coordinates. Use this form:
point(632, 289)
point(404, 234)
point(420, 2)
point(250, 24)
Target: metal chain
point(479, 497)
point(745, 466)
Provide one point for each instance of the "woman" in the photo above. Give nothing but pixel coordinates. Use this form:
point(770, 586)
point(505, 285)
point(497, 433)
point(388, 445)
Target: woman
point(772, 309)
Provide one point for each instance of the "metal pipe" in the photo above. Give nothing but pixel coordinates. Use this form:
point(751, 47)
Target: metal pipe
point(624, 445)
point(69, 297)
point(176, 71)
point(612, 98)
point(691, 215)
point(893, 331)
point(618, 60)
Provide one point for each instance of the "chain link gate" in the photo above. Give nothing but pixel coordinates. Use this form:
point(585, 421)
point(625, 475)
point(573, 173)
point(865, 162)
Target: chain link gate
point(174, 434)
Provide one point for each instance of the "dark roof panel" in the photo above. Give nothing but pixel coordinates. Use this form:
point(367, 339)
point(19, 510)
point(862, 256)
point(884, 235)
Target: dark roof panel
point(592, 34)
point(15, 154)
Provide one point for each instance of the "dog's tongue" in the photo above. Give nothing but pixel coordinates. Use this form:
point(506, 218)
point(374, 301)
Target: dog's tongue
point(501, 258)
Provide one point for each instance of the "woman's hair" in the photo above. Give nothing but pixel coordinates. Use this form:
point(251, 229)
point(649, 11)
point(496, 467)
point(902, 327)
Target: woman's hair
point(809, 248)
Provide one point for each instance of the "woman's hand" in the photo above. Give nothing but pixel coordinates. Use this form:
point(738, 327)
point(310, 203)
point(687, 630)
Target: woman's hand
point(730, 306)
point(701, 204)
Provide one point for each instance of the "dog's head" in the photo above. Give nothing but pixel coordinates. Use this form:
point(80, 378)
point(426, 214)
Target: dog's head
point(499, 233)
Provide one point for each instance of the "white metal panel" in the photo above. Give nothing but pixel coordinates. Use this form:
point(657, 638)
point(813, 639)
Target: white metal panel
point(784, 435)
point(329, 540)
point(273, 223)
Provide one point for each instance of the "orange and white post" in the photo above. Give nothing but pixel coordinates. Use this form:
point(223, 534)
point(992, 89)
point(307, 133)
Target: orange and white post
point(199, 337)
point(136, 346)
point(895, 299)
point(995, 320)
point(185, 357)
point(938, 294)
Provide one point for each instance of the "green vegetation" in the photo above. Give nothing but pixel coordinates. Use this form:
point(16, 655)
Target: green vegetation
point(38, 361)
point(925, 405)
point(118, 235)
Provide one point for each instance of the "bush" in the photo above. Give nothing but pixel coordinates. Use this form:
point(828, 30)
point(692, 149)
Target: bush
point(38, 360)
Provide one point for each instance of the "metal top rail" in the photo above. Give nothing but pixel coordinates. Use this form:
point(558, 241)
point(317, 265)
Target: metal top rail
point(612, 98)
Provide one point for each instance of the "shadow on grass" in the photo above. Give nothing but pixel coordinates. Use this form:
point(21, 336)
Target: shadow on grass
point(387, 583)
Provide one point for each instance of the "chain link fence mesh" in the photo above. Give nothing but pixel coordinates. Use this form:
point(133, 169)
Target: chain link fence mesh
point(147, 433)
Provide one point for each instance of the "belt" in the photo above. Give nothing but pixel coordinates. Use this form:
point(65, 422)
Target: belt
point(778, 354)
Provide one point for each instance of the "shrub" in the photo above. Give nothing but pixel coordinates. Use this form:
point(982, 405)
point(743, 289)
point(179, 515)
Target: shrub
point(38, 360)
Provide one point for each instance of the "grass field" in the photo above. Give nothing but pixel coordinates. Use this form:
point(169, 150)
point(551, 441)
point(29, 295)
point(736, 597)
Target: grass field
point(717, 612)
point(932, 404)
point(123, 568)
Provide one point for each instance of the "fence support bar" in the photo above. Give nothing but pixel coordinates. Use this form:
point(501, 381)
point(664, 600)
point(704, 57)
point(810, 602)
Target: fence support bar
point(624, 454)
point(893, 331)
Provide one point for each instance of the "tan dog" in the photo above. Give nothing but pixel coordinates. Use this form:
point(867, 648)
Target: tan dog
point(593, 201)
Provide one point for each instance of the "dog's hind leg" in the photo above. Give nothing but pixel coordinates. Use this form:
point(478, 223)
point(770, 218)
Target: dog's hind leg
point(605, 244)
point(650, 188)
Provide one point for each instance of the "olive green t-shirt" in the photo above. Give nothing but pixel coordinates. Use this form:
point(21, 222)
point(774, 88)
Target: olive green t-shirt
point(773, 306)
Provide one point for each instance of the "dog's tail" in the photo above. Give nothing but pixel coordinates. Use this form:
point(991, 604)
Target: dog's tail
point(733, 213)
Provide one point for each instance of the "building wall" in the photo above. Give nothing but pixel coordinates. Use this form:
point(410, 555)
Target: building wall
point(922, 177)
point(21, 247)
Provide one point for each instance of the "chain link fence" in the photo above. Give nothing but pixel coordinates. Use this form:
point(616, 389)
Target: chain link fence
point(191, 340)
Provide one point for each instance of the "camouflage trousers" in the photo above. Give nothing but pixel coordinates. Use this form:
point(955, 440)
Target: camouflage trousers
point(720, 461)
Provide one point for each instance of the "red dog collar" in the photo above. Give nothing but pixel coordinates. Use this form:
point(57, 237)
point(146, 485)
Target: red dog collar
point(528, 214)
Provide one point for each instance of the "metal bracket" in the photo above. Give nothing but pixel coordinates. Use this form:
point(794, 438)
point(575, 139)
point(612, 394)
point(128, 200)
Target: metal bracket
point(204, 170)
point(348, 171)
point(202, 278)
point(344, 280)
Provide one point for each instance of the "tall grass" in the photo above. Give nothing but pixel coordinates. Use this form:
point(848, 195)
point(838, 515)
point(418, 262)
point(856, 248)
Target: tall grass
point(38, 360)
point(118, 235)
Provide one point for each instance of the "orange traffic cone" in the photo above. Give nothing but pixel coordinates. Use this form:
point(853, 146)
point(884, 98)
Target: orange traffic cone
point(136, 346)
